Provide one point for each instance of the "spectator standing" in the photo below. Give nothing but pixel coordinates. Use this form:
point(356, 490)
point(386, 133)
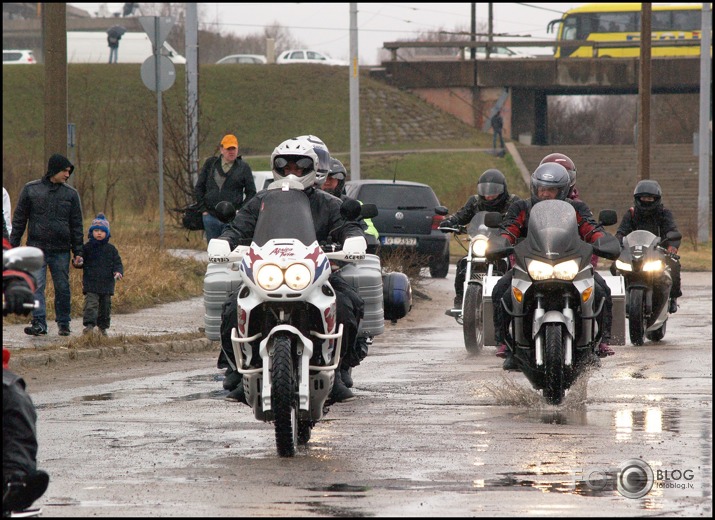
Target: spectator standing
point(102, 267)
point(52, 212)
point(497, 127)
point(113, 42)
point(7, 210)
point(223, 178)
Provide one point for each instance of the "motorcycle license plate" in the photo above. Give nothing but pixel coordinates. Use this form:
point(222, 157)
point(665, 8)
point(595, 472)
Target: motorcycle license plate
point(399, 241)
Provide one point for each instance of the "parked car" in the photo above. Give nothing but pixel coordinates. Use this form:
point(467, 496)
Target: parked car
point(19, 56)
point(243, 58)
point(409, 214)
point(306, 56)
point(497, 53)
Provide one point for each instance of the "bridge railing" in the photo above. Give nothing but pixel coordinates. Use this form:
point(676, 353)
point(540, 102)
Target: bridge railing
point(595, 45)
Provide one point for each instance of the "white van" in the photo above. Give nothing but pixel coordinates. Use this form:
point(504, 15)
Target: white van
point(134, 47)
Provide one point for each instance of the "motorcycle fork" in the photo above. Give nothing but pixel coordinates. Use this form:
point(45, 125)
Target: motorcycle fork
point(539, 312)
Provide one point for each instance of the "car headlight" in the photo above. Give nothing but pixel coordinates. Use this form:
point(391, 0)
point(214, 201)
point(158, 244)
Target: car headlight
point(653, 265)
point(623, 266)
point(269, 277)
point(479, 247)
point(562, 271)
point(297, 277)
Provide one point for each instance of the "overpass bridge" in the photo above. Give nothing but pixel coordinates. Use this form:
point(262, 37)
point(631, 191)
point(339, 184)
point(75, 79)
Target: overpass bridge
point(470, 89)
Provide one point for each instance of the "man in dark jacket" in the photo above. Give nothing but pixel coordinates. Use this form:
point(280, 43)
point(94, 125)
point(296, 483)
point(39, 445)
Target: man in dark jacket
point(223, 178)
point(492, 195)
point(52, 212)
point(497, 127)
point(648, 213)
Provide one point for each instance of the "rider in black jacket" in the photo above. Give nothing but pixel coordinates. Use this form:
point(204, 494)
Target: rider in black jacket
point(648, 213)
point(492, 195)
point(299, 158)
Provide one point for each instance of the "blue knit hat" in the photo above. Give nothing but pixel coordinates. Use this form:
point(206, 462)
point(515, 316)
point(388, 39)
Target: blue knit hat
point(100, 222)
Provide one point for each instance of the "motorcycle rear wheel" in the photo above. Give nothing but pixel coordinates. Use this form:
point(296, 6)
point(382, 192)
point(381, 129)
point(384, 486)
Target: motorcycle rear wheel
point(554, 389)
point(283, 396)
point(636, 318)
point(473, 319)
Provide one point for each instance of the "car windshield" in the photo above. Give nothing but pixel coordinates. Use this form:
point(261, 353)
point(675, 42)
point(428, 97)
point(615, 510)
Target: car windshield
point(398, 196)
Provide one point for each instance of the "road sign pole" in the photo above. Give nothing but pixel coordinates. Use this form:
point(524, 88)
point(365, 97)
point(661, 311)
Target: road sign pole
point(160, 134)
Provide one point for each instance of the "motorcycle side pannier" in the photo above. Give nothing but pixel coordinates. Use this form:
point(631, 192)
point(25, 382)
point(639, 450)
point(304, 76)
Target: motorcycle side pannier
point(397, 295)
point(366, 278)
point(219, 282)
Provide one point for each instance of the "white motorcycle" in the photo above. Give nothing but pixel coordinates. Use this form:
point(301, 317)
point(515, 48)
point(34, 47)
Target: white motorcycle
point(288, 343)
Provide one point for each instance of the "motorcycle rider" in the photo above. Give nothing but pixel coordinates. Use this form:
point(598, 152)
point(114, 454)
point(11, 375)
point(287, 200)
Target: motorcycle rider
point(649, 214)
point(492, 195)
point(300, 159)
point(566, 162)
point(549, 181)
point(23, 483)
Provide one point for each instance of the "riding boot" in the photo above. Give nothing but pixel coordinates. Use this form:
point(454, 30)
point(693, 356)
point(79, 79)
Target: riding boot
point(346, 376)
point(340, 393)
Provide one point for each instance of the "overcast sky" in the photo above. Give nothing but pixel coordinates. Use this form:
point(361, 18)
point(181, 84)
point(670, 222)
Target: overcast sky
point(325, 27)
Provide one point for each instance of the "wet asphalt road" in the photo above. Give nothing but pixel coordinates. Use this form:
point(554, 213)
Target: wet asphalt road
point(433, 432)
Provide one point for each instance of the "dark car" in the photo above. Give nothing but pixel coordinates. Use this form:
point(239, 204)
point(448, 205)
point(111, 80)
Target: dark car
point(409, 215)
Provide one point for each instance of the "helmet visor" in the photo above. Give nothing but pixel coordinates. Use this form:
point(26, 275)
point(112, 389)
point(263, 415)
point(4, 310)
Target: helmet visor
point(489, 188)
point(302, 162)
point(339, 176)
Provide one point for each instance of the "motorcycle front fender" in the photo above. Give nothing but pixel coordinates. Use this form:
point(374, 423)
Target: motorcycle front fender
point(540, 320)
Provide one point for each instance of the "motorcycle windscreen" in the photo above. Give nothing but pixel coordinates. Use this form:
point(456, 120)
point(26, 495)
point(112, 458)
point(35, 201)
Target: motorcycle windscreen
point(477, 226)
point(640, 237)
point(553, 231)
point(285, 214)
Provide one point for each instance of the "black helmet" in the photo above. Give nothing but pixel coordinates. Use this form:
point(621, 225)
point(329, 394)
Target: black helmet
point(647, 188)
point(337, 171)
point(566, 162)
point(492, 182)
point(550, 175)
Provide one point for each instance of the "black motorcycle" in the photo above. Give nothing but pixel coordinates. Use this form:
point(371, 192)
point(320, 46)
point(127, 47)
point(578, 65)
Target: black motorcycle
point(554, 332)
point(648, 281)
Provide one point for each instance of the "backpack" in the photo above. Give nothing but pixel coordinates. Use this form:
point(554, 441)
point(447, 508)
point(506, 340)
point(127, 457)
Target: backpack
point(192, 218)
point(113, 40)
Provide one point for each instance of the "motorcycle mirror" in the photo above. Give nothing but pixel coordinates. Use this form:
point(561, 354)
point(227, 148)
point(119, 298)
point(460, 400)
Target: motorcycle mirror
point(25, 258)
point(350, 209)
point(369, 211)
point(441, 210)
point(225, 211)
point(608, 217)
point(673, 235)
point(492, 219)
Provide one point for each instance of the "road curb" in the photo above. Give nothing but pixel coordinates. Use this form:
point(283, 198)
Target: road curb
point(41, 359)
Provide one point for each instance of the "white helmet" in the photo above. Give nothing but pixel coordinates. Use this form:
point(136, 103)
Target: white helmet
point(299, 151)
point(321, 150)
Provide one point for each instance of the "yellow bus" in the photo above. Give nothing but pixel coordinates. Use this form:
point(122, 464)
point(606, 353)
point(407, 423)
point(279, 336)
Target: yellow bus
point(606, 22)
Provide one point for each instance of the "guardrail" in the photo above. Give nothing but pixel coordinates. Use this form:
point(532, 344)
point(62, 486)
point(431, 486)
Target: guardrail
point(595, 45)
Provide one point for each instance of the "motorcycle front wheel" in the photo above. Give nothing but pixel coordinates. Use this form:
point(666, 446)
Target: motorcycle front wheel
point(636, 317)
point(554, 389)
point(283, 395)
point(473, 319)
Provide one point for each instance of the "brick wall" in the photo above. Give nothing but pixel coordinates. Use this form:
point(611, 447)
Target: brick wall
point(607, 176)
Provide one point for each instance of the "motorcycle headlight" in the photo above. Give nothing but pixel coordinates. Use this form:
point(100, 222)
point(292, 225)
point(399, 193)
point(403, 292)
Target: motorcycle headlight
point(566, 270)
point(653, 265)
point(562, 271)
point(479, 247)
point(269, 277)
point(623, 266)
point(540, 270)
point(297, 277)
